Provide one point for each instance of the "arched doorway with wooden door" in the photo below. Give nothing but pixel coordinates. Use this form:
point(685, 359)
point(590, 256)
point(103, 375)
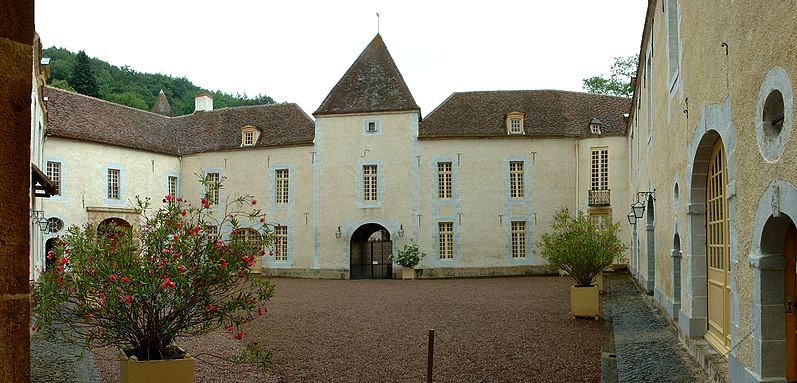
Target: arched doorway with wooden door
point(370, 252)
point(718, 332)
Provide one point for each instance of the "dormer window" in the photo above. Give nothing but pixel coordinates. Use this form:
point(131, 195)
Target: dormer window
point(595, 126)
point(249, 135)
point(514, 123)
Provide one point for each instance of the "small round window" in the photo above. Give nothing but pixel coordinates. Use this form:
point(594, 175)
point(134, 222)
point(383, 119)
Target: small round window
point(54, 225)
point(774, 114)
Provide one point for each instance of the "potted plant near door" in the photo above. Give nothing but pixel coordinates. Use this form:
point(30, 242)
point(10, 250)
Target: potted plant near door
point(583, 250)
point(174, 279)
point(408, 258)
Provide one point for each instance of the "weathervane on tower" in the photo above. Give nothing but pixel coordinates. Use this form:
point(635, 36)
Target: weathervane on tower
point(377, 23)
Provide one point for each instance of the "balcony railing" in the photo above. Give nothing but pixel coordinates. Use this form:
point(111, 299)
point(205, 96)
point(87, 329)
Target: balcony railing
point(600, 197)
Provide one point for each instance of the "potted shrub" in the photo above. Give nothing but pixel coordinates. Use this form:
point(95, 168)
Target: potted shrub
point(583, 250)
point(141, 292)
point(408, 258)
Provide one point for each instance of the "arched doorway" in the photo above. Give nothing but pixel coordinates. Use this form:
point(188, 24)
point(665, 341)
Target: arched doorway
point(718, 291)
point(650, 249)
point(370, 251)
point(676, 273)
point(49, 246)
point(111, 225)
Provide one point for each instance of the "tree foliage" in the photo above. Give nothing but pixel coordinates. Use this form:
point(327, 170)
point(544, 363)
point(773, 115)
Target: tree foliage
point(82, 77)
point(619, 81)
point(126, 86)
point(580, 247)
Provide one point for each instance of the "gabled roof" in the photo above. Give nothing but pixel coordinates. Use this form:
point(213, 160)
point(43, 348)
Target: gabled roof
point(372, 84)
point(161, 105)
point(547, 113)
point(79, 117)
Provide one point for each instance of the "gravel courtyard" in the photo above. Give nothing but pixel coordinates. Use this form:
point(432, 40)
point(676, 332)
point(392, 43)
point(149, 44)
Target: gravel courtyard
point(486, 330)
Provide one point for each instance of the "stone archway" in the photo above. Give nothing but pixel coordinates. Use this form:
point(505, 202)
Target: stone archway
point(370, 253)
point(676, 274)
point(777, 209)
point(110, 225)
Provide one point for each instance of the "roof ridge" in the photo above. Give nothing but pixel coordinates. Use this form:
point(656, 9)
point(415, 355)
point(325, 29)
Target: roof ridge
point(541, 90)
point(106, 101)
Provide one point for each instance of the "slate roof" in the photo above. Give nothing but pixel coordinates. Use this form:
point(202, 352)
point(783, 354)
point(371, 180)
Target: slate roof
point(547, 113)
point(75, 116)
point(373, 83)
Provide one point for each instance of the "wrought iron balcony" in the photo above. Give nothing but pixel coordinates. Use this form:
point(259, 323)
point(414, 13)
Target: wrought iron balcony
point(600, 197)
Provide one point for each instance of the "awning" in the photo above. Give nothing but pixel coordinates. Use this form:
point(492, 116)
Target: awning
point(42, 186)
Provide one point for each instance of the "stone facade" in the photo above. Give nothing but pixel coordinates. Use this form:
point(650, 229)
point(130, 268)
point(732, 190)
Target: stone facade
point(706, 72)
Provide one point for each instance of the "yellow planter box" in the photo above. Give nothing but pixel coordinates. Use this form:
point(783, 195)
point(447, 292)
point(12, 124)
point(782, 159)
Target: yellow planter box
point(407, 273)
point(585, 301)
point(131, 370)
point(257, 268)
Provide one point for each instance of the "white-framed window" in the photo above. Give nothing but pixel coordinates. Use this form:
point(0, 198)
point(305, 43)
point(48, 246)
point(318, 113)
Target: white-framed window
point(516, 187)
point(514, 122)
point(213, 180)
point(600, 220)
point(518, 239)
point(213, 232)
point(113, 184)
point(281, 184)
point(249, 138)
point(600, 168)
point(595, 126)
point(248, 135)
point(249, 236)
point(369, 183)
point(280, 243)
point(444, 180)
point(172, 185)
point(54, 174)
point(445, 232)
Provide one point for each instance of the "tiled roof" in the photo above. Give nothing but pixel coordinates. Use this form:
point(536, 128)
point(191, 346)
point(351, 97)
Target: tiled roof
point(75, 116)
point(373, 83)
point(547, 113)
point(161, 105)
point(220, 129)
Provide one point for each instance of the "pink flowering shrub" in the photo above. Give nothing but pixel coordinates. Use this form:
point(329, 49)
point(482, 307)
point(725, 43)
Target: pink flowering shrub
point(171, 278)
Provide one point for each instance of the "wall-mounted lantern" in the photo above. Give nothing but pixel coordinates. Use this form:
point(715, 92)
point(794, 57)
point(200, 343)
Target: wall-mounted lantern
point(338, 233)
point(401, 231)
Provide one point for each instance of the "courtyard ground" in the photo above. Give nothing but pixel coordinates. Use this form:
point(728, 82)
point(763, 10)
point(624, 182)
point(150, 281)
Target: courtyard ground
point(486, 330)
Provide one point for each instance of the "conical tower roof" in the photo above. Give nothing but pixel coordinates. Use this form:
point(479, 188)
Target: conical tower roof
point(373, 83)
point(161, 105)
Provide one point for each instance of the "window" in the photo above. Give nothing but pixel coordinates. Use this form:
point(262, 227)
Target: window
point(213, 232)
point(280, 243)
point(518, 239)
point(173, 186)
point(113, 183)
point(600, 220)
point(516, 179)
point(369, 182)
point(446, 236)
point(54, 225)
point(595, 126)
point(371, 126)
point(600, 168)
point(249, 236)
point(213, 187)
point(673, 43)
point(444, 180)
point(281, 185)
point(54, 174)
point(514, 122)
point(248, 135)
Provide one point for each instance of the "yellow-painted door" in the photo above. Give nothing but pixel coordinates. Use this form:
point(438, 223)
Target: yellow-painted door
point(790, 292)
point(718, 252)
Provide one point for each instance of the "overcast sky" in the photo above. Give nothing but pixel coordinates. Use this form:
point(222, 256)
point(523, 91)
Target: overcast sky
point(297, 50)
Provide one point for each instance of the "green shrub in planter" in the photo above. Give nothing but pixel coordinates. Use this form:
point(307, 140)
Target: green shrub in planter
point(409, 256)
point(580, 247)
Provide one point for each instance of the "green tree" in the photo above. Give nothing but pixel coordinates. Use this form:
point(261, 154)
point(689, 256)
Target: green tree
point(82, 78)
point(618, 83)
point(62, 84)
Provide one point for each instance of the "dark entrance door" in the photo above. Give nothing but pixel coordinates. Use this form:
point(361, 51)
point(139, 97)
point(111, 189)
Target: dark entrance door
point(370, 253)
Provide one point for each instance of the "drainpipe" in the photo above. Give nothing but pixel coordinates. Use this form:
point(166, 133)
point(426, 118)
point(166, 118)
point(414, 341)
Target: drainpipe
point(577, 175)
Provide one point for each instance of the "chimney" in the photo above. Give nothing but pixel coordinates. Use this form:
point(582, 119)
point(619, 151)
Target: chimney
point(203, 102)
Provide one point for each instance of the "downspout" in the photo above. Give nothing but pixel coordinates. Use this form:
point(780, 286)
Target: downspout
point(577, 176)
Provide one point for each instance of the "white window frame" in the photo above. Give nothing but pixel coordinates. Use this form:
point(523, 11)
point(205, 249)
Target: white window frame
point(444, 179)
point(280, 243)
point(54, 174)
point(516, 182)
point(213, 180)
point(370, 183)
point(172, 185)
point(599, 168)
point(445, 234)
point(518, 229)
point(282, 186)
point(114, 183)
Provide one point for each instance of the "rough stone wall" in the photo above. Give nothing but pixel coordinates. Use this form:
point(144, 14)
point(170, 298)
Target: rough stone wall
point(16, 49)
